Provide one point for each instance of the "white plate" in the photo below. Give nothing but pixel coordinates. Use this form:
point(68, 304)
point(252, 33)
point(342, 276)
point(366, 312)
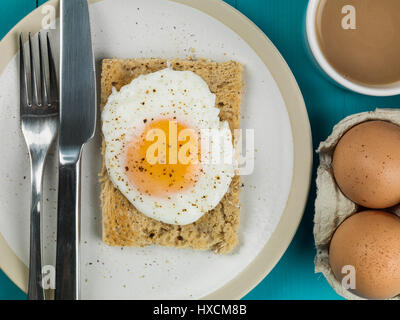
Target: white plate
point(273, 197)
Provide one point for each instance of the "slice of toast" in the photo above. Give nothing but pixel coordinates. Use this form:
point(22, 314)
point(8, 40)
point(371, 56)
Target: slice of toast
point(123, 224)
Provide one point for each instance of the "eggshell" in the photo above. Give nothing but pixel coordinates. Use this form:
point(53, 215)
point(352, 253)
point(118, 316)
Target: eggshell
point(366, 164)
point(332, 207)
point(369, 241)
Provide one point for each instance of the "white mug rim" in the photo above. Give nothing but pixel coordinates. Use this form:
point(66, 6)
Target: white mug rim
point(377, 90)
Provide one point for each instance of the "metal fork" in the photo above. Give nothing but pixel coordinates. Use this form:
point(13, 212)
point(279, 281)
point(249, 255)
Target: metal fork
point(39, 124)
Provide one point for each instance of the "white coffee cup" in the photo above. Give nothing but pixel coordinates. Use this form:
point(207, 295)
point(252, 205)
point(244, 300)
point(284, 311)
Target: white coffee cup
point(372, 90)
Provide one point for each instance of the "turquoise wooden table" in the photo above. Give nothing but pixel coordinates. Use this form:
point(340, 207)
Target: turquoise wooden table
point(283, 22)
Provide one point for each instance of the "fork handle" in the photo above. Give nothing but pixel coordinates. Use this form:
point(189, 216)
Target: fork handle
point(67, 258)
point(35, 288)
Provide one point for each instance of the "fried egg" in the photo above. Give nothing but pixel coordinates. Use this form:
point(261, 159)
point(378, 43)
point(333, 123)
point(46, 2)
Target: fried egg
point(161, 147)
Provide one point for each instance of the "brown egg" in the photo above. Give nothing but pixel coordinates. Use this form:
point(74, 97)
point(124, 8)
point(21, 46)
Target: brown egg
point(366, 164)
point(370, 242)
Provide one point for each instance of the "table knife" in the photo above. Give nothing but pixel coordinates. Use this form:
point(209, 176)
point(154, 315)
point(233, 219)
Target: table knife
point(77, 126)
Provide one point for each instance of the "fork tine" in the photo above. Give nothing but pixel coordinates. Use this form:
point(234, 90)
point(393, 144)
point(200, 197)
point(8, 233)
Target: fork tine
point(34, 85)
point(52, 73)
point(43, 82)
point(24, 97)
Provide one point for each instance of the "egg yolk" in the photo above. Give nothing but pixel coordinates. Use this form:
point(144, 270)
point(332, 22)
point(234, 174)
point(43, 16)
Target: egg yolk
point(164, 159)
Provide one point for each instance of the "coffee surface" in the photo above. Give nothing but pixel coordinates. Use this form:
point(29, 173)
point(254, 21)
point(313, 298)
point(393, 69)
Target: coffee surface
point(368, 54)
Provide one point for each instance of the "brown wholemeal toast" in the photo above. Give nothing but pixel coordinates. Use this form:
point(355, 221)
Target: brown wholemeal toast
point(123, 224)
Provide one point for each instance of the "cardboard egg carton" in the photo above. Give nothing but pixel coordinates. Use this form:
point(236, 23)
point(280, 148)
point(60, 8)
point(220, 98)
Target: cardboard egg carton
point(332, 207)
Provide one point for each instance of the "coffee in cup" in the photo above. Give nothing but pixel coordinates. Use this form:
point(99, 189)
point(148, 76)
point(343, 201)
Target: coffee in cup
point(357, 42)
point(361, 38)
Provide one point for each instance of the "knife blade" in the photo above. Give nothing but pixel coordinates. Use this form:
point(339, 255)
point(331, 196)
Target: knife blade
point(77, 126)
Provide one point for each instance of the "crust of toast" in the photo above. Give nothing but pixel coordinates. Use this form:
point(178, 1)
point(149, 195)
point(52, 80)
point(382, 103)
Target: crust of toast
point(123, 224)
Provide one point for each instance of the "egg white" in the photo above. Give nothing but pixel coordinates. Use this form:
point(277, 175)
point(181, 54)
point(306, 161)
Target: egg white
point(162, 95)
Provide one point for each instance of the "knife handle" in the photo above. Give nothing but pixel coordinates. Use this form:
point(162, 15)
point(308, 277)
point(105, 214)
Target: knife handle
point(67, 257)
